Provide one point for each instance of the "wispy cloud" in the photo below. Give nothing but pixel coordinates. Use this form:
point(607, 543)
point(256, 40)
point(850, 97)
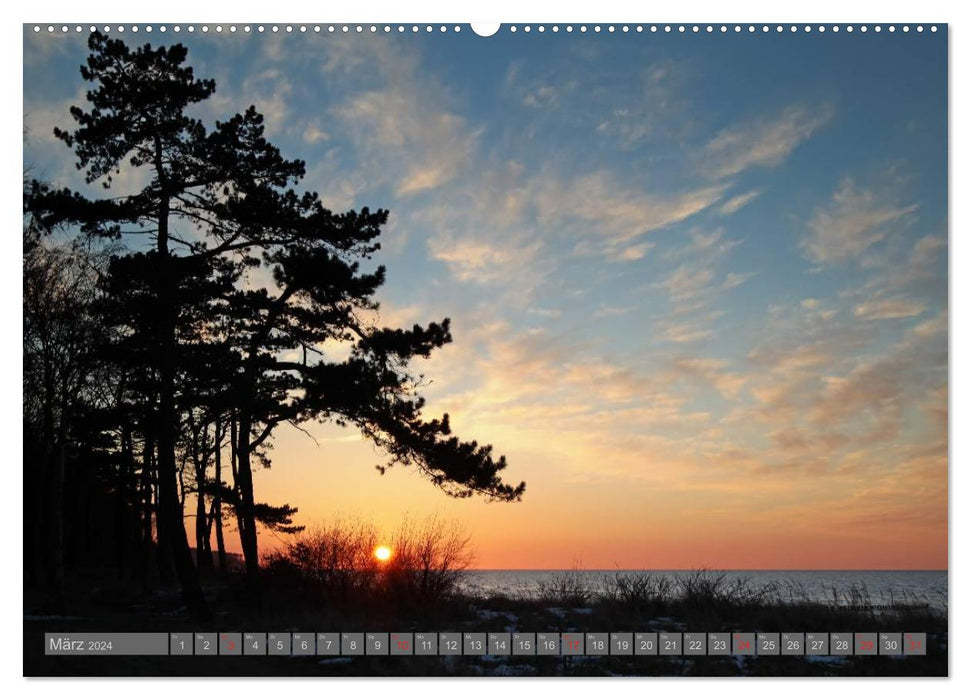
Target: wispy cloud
point(735, 203)
point(606, 311)
point(476, 260)
point(854, 220)
point(614, 213)
point(736, 279)
point(686, 282)
point(882, 309)
point(763, 142)
point(686, 333)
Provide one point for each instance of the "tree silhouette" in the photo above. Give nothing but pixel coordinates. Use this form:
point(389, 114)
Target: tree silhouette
point(59, 333)
point(209, 349)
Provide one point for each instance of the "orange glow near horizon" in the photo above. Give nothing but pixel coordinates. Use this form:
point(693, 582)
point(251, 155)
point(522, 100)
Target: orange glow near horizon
point(663, 522)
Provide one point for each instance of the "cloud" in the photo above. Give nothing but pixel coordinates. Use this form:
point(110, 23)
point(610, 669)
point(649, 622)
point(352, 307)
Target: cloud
point(399, 116)
point(634, 252)
point(686, 282)
point(763, 142)
point(827, 396)
point(314, 134)
point(686, 333)
point(501, 219)
point(544, 96)
point(548, 313)
point(936, 326)
point(925, 251)
point(735, 203)
point(476, 260)
point(736, 279)
point(882, 309)
point(712, 372)
point(655, 110)
point(852, 222)
point(606, 311)
point(617, 213)
point(427, 147)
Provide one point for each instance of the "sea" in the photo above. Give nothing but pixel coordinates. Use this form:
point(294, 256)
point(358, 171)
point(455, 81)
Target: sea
point(878, 588)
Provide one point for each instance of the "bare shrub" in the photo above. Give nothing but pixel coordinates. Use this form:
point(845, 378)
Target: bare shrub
point(637, 590)
point(703, 588)
point(332, 561)
point(567, 588)
point(336, 563)
point(429, 561)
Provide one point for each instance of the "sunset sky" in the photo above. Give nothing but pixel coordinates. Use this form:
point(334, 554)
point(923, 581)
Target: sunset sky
point(698, 283)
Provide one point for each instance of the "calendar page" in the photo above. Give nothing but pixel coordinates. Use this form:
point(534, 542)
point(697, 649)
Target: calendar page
point(539, 349)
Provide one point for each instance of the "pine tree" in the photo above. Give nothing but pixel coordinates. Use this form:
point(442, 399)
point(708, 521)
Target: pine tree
point(217, 204)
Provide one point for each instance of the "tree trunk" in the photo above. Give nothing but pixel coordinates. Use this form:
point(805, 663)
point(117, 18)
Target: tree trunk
point(169, 515)
point(145, 502)
point(217, 500)
point(56, 517)
point(124, 496)
point(203, 558)
point(247, 534)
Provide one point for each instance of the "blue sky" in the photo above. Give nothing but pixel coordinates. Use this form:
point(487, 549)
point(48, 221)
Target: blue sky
point(677, 266)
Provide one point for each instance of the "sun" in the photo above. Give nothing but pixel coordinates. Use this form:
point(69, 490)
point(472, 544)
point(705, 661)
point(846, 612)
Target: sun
point(382, 553)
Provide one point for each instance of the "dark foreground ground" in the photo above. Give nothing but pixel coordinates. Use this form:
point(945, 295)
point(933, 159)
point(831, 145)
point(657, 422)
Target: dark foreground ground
point(710, 603)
